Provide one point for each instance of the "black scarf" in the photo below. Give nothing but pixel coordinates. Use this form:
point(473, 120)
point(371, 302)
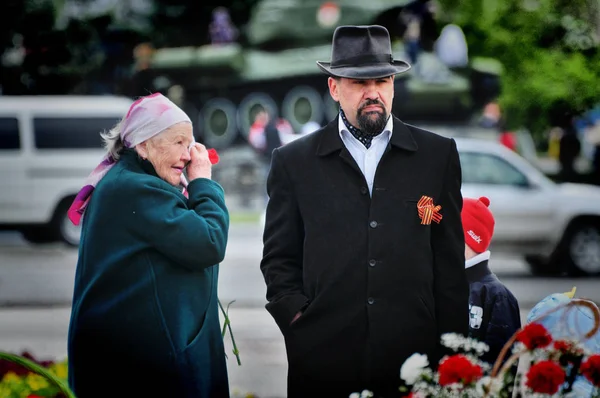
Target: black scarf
point(363, 137)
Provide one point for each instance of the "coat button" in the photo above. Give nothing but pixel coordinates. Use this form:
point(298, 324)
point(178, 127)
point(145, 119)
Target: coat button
point(373, 224)
point(371, 300)
point(364, 190)
point(372, 263)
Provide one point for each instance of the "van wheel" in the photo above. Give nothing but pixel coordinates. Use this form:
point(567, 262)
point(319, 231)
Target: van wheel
point(63, 227)
point(38, 234)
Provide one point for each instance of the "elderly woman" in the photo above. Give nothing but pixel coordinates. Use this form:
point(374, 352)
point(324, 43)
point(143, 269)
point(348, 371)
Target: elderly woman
point(145, 320)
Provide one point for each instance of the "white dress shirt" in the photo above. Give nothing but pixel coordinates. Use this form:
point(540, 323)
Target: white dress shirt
point(366, 159)
point(477, 259)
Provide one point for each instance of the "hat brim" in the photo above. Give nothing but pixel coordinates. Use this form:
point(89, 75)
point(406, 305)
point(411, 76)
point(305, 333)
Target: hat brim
point(365, 71)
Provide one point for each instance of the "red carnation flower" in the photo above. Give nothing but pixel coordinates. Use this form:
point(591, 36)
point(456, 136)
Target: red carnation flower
point(458, 369)
point(213, 156)
point(545, 377)
point(534, 335)
point(563, 346)
point(568, 352)
point(591, 369)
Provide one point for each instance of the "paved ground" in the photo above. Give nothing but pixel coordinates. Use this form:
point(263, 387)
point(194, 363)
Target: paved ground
point(36, 287)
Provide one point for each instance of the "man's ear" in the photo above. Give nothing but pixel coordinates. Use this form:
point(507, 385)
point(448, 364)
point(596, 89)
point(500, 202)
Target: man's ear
point(333, 88)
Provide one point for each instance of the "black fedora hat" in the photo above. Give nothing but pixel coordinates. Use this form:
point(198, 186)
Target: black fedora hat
point(362, 52)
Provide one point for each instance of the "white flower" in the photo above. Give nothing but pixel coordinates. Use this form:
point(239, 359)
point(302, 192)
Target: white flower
point(480, 348)
point(494, 385)
point(453, 341)
point(413, 367)
point(457, 342)
point(363, 394)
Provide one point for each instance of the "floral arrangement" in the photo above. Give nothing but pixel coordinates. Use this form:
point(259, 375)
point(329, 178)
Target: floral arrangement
point(538, 365)
point(22, 376)
point(548, 366)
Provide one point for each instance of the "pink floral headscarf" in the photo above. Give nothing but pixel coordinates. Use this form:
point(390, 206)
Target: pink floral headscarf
point(147, 117)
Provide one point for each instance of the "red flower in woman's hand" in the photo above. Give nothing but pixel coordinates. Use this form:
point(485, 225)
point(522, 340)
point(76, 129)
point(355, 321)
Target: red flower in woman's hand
point(545, 377)
point(458, 369)
point(591, 369)
point(534, 336)
point(213, 156)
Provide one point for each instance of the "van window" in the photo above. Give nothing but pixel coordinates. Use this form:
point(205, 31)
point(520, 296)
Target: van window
point(72, 132)
point(9, 133)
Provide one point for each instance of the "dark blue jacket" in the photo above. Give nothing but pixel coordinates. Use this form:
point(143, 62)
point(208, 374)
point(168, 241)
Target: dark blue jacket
point(494, 310)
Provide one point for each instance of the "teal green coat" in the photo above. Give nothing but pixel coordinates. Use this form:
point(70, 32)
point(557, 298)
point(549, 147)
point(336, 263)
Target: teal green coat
point(145, 318)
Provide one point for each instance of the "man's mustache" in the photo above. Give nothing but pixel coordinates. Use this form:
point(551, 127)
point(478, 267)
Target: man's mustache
point(369, 103)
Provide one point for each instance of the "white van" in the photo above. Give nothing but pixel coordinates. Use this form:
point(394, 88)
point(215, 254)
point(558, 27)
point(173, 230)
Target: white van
point(48, 146)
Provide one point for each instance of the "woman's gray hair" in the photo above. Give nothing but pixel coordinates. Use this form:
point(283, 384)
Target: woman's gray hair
point(112, 142)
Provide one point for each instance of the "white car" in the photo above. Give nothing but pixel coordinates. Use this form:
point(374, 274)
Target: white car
point(554, 226)
point(48, 146)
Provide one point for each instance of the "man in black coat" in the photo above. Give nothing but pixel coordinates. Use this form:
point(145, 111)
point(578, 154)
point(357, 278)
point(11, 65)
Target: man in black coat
point(363, 252)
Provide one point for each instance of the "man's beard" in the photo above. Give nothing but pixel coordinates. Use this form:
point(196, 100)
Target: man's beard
point(367, 124)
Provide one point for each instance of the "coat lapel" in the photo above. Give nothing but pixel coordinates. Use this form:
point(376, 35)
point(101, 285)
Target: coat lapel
point(402, 137)
point(332, 142)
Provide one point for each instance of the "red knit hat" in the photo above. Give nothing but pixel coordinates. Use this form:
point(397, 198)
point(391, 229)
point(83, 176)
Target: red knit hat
point(478, 223)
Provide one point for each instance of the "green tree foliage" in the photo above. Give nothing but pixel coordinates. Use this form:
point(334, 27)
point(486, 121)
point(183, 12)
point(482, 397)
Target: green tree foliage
point(549, 49)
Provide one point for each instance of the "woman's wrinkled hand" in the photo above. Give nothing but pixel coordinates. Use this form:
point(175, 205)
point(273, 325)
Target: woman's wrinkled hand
point(200, 165)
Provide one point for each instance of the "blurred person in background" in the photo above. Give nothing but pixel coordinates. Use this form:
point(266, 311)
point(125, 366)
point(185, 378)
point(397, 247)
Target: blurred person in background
point(509, 140)
point(267, 133)
point(591, 134)
point(309, 127)
point(569, 150)
point(221, 28)
point(451, 47)
point(145, 304)
point(361, 268)
point(412, 37)
point(491, 116)
point(554, 137)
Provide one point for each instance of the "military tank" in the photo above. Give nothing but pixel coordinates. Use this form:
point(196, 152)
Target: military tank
point(272, 67)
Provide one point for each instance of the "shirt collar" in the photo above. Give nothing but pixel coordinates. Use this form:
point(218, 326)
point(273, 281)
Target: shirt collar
point(477, 259)
point(385, 135)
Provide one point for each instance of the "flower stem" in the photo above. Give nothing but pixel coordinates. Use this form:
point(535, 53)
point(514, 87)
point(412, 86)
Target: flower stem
point(227, 326)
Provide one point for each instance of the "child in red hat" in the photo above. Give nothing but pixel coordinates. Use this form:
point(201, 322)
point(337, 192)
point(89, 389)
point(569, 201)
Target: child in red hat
point(494, 310)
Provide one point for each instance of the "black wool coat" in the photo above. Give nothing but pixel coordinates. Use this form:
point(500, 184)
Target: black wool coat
point(374, 284)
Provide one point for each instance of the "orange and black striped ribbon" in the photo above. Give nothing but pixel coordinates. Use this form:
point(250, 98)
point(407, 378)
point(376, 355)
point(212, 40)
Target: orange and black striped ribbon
point(427, 211)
